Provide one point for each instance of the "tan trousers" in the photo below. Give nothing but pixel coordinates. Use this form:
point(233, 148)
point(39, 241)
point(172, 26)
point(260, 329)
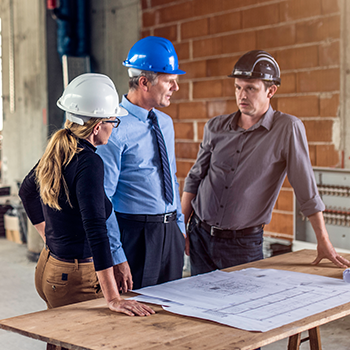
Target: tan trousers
point(60, 283)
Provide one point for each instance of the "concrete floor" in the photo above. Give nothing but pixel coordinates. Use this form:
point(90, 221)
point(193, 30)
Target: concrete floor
point(18, 296)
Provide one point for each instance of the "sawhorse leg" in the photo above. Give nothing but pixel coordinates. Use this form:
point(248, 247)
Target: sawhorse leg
point(313, 338)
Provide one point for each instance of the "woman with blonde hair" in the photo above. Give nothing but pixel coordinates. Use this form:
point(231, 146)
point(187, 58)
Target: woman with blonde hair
point(64, 198)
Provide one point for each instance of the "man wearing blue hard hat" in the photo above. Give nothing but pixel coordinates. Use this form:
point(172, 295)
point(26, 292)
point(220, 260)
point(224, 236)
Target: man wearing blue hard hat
point(140, 172)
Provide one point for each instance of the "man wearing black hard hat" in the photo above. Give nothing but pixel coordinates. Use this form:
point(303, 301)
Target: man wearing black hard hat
point(230, 192)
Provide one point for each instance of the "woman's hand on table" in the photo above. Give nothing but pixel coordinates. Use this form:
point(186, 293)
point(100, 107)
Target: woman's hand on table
point(130, 307)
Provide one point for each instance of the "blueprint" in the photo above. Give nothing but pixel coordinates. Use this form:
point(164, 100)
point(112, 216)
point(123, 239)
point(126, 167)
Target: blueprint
point(250, 299)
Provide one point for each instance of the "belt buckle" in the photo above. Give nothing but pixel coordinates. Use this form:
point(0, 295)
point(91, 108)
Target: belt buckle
point(166, 218)
point(212, 228)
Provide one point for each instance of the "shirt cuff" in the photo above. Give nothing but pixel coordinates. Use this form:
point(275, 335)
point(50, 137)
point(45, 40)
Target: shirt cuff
point(118, 255)
point(312, 206)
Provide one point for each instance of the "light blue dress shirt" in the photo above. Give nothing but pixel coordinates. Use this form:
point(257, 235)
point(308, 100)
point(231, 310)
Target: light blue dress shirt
point(133, 179)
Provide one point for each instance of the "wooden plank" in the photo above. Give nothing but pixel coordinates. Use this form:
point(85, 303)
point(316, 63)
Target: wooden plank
point(92, 326)
point(294, 342)
point(315, 339)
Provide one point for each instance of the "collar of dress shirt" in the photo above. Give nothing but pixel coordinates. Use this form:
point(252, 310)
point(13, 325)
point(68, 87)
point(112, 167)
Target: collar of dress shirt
point(136, 111)
point(266, 121)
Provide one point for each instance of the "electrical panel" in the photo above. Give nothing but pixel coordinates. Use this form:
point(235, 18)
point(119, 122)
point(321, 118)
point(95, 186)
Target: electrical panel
point(334, 189)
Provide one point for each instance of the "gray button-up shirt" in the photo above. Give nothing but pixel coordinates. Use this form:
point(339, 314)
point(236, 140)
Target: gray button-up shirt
point(239, 173)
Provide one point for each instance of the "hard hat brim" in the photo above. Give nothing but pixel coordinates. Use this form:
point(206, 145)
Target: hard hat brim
point(154, 69)
point(120, 112)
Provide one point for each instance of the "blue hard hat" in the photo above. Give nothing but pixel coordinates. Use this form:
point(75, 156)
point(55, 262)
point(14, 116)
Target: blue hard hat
point(154, 54)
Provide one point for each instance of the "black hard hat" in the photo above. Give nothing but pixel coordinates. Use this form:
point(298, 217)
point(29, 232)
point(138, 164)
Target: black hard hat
point(257, 64)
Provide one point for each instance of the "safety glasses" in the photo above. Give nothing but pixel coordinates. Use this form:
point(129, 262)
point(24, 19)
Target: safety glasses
point(116, 122)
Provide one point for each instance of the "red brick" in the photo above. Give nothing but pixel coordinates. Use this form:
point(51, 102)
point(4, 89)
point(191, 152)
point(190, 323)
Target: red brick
point(155, 3)
point(183, 92)
point(318, 130)
point(327, 156)
point(239, 42)
point(274, 103)
point(275, 37)
point(194, 29)
point(329, 105)
point(186, 150)
point(300, 106)
point(225, 23)
point(169, 32)
point(286, 183)
point(144, 4)
point(296, 58)
point(145, 33)
point(221, 107)
point(297, 9)
point(207, 7)
point(329, 53)
point(207, 47)
point(236, 4)
point(181, 182)
point(319, 80)
point(221, 66)
point(312, 154)
point(192, 110)
point(194, 69)
point(183, 131)
point(200, 130)
point(207, 89)
point(183, 167)
point(288, 84)
point(281, 223)
point(148, 18)
point(182, 50)
point(325, 28)
point(330, 6)
point(260, 16)
point(172, 110)
point(285, 200)
point(229, 89)
point(175, 12)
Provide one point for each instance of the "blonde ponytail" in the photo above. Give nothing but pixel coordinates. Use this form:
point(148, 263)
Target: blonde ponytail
point(62, 147)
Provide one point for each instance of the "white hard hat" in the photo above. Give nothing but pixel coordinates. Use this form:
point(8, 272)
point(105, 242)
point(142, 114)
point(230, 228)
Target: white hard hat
point(90, 96)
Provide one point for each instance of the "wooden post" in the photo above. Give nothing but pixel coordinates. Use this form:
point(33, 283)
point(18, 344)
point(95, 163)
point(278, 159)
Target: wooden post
point(315, 339)
point(294, 342)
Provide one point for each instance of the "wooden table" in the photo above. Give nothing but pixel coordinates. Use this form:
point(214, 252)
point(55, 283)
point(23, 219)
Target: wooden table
point(91, 326)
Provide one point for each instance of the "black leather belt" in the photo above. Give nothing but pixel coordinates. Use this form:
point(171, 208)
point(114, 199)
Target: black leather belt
point(80, 261)
point(220, 233)
point(164, 218)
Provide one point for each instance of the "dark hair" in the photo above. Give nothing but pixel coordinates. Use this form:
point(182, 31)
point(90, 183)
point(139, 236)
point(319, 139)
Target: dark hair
point(268, 83)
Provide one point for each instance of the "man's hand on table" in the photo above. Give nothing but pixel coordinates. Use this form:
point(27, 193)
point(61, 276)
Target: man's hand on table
point(325, 250)
point(123, 277)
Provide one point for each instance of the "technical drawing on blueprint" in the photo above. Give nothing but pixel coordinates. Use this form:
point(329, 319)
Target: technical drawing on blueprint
point(250, 299)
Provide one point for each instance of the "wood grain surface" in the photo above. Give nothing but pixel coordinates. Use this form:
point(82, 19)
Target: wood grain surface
point(92, 326)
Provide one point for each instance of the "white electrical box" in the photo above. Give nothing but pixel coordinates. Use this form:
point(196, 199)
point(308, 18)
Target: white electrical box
point(334, 189)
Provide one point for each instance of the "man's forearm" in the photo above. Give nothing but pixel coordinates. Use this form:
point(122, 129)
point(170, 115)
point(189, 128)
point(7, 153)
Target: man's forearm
point(319, 226)
point(325, 248)
point(187, 205)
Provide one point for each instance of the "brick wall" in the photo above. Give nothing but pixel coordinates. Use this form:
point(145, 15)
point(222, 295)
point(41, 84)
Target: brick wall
point(210, 35)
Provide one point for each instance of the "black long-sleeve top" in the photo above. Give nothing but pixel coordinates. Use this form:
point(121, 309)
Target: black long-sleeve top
point(79, 231)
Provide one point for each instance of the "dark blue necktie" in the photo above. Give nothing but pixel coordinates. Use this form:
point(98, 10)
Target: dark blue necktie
point(168, 188)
